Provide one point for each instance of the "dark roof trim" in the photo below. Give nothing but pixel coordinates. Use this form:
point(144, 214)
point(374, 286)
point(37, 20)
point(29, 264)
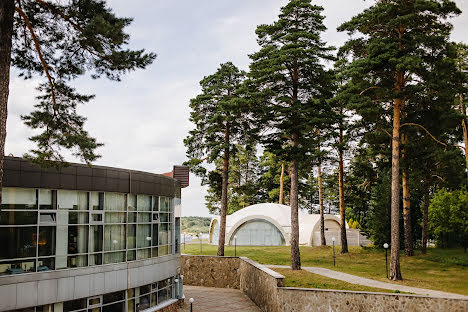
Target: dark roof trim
point(18, 172)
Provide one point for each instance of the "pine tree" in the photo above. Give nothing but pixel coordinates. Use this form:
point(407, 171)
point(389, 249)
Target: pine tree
point(289, 70)
point(61, 40)
point(403, 47)
point(221, 121)
point(462, 68)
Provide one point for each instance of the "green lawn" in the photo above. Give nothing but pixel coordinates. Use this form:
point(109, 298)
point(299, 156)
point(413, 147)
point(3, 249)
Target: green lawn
point(306, 279)
point(440, 269)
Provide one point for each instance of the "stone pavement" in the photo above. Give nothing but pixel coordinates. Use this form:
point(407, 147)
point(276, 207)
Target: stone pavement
point(373, 283)
point(209, 299)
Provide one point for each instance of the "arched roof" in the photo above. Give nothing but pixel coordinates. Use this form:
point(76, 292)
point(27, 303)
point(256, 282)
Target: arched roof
point(278, 215)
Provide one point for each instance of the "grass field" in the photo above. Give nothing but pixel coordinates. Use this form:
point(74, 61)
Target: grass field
point(440, 269)
point(306, 279)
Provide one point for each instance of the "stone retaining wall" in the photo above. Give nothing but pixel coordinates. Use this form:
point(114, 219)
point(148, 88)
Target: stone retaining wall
point(320, 300)
point(265, 287)
point(260, 284)
point(210, 271)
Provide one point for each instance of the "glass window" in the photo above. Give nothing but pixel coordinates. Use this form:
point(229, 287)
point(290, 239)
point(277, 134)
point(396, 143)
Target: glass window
point(46, 242)
point(113, 297)
point(144, 303)
point(144, 217)
point(78, 239)
point(155, 203)
point(163, 234)
point(115, 202)
point(115, 217)
point(17, 267)
point(95, 259)
point(132, 202)
point(77, 261)
point(114, 237)
point(45, 264)
point(114, 257)
point(18, 198)
point(78, 217)
point(144, 203)
point(132, 217)
point(163, 203)
point(95, 239)
point(72, 200)
point(20, 242)
point(18, 217)
point(116, 307)
point(47, 217)
point(132, 236)
point(74, 305)
point(155, 235)
point(144, 253)
point(143, 235)
point(131, 255)
point(96, 200)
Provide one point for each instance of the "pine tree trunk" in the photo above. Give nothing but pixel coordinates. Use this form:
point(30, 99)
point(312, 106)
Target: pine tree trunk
point(465, 131)
point(425, 212)
point(323, 242)
point(224, 190)
point(7, 11)
point(281, 184)
point(344, 240)
point(406, 202)
point(294, 241)
point(395, 273)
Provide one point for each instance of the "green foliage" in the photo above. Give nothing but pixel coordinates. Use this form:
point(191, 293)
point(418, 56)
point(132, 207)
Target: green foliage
point(448, 217)
point(219, 116)
point(292, 80)
point(195, 225)
point(62, 41)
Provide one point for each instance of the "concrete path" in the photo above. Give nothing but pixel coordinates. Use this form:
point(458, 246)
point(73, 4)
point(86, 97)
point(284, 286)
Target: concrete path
point(373, 283)
point(217, 300)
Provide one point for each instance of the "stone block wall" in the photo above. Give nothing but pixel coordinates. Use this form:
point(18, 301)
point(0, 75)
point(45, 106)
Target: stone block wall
point(211, 271)
point(260, 284)
point(300, 299)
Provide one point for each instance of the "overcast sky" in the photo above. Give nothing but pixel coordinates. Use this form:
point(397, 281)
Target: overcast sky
point(143, 119)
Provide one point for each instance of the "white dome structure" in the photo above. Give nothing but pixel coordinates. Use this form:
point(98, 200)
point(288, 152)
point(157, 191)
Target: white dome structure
point(270, 225)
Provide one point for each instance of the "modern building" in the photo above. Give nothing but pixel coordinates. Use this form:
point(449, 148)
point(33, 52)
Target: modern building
point(86, 238)
point(270, 225)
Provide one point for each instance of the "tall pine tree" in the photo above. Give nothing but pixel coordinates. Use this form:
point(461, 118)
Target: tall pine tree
point(220, 115)
point(289, 69)
point(403, 47)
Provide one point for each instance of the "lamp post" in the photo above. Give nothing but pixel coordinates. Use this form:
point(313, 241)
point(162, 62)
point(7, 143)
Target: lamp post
point(199, 236)
point(386, 258)
point(191, 304)
point(235, 246)
point(333, 240)
point(184, 240)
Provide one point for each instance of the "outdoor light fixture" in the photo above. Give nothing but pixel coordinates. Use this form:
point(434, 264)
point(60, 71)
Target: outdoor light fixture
point(114, 242)
point(148, 238)
point(333, 240)
point(235, 246)
point(191, 304)
point(199, 236)
point(386, 258)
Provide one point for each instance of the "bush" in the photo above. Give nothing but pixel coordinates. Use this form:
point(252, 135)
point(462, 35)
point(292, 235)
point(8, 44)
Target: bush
point(448, 218)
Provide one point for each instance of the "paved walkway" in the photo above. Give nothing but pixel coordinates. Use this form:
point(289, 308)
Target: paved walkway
point(373, 283)
point(217, 300)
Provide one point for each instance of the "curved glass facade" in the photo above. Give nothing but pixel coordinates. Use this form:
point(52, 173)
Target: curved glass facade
point(257, 232)
point(45, 230)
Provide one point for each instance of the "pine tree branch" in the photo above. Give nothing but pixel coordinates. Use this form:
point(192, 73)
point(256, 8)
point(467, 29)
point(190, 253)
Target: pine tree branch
point(39, 53)
point(63, 15)
point(370, 88)
point(427, 131)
